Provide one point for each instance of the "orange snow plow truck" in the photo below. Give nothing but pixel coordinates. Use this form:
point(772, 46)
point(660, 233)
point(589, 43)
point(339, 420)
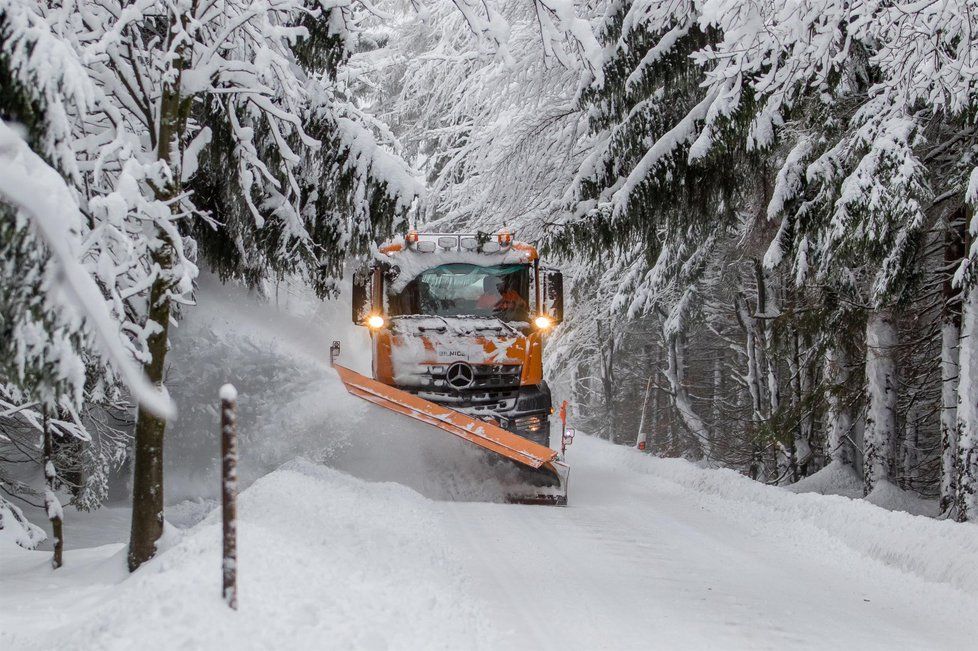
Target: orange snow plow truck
point(457, 325)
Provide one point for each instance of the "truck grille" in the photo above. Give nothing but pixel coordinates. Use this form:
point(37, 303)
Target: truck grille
point(494, 387)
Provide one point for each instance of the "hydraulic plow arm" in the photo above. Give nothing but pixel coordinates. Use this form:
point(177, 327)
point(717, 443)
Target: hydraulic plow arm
point(488, 436)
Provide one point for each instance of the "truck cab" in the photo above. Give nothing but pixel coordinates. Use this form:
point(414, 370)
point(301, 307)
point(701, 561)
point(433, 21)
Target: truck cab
point(460, 319)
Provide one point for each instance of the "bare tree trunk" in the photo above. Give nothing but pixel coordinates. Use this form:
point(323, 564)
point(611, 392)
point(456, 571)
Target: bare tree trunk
point(840, 417)
point(659, 434)
point(147, 484)
point(52, 505)
point(640, 436)
point(881, 425)
point(910, 449)
point(714, 433)
point(675, 373)
point(803, 442)
point(966, 499)
point(608, 379)
point(753, 382)
point(954, 251)
point(798, 442)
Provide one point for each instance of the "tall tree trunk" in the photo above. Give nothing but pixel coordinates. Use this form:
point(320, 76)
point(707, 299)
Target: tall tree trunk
point(675, 373)
point(147, 489)
point(803, 443)
point(910, 449)
point(766, 338)
point(717, 407)
point(640, 436)
point(608, 379)
point(147, 484)
point(839, 417)
point(659, 436)
point(798, 442)
point(881, 425)
point(954, 251)
point(967, 460)
point(753, 381)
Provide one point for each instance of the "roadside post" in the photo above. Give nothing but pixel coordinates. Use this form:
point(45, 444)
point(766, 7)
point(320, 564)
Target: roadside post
point(229, 494)
point(563, 428)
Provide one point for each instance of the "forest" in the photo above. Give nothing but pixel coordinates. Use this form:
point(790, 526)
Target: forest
point(764, 211)
point(766, 208)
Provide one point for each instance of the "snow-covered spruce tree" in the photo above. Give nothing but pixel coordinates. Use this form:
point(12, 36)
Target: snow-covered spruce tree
point(62, 354)
point(646, 191)
point(886, 172)
point(827, 92)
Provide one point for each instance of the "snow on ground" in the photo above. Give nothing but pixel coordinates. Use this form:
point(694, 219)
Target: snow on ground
point(839, 479)
point(379, 532)
point(331, 561)
point(651, 553)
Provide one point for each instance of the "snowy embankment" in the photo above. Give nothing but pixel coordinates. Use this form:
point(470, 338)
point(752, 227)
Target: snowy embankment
point(327, 560)
point(651, 553)
point(937, 551)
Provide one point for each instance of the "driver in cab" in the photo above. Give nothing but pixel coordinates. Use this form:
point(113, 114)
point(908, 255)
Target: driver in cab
point(497, 297)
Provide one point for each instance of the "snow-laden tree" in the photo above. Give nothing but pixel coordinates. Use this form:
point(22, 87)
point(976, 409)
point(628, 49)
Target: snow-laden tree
point(212, 131)
point(483, 96)
point(840, 132)
point(62, 351)
point(888, 153)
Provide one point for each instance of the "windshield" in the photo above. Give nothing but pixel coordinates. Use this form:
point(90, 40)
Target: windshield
point(467, 290)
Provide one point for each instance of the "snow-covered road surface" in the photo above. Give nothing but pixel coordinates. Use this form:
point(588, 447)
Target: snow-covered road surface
point(640, 562)
point(650, 554)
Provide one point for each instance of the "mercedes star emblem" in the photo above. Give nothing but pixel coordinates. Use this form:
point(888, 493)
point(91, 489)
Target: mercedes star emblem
point(460, 375)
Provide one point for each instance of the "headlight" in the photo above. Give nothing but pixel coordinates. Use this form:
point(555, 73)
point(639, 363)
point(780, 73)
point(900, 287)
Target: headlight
point(543, 322)
point(375, 321)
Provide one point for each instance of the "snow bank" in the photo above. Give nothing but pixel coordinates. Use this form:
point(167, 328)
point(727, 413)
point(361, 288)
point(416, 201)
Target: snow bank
point(326, 561)
point(834, 479)
point(331, 561)
point(937, 551)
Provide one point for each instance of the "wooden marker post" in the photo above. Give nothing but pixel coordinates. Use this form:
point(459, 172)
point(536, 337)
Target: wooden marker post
point(52, 505)
point(563, 428)
point(229, 493)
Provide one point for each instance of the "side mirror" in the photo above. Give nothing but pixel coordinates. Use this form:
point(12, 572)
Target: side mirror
point(362, 292)
point(553, 294)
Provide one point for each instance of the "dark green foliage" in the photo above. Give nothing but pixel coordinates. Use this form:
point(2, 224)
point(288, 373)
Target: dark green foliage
point(17, 104)
point(344, 207)
point(336, 222)
point(636, 106)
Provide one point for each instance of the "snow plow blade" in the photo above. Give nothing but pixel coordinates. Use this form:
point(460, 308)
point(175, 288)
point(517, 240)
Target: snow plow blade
point(546, 477)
